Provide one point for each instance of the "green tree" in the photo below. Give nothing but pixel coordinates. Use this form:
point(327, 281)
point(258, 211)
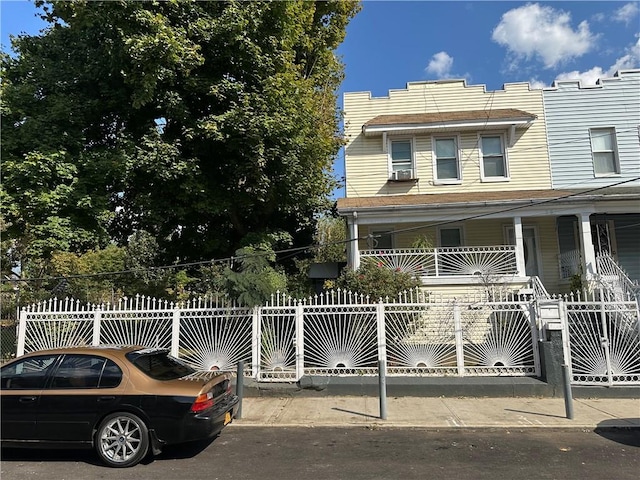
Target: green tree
point(198, 122)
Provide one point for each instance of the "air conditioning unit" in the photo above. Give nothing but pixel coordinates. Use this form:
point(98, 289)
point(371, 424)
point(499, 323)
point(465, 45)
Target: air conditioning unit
point(402, 175)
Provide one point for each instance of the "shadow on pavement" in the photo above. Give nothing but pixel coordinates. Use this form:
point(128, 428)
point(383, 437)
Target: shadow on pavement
point(534, 413)
point(611, 430)
point(184, 450)
point(354, 413)
point(50, 455)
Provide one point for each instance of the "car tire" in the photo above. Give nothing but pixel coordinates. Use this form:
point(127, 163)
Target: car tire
point(122, 440)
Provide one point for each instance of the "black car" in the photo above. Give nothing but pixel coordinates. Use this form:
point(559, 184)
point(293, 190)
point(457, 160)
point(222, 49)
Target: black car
point(122, 401)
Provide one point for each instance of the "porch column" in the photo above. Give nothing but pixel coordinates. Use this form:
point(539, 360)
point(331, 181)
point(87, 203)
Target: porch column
point(588, 252)
point(352, 252)
point(517, 233)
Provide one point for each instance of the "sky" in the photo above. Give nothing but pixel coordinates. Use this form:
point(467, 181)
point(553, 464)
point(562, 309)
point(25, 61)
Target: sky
point(391, 43)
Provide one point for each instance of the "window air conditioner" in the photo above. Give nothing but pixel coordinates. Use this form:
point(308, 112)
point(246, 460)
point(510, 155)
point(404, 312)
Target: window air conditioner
point(402, 175)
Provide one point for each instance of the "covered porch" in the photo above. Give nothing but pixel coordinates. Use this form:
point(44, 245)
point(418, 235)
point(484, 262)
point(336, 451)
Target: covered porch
point(451, 242)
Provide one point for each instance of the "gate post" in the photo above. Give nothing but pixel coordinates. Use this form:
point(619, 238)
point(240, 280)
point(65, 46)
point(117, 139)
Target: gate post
point(97, 319)
point(255, 342)
point(22, 333)
point(457, 326)
point(382, 334)
point(175, 333)
point(299, 341)
point(604, 340)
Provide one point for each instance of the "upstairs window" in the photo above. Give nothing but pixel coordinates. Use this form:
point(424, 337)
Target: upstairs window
point(445, 154)
point(494, 159)
point(401, 155)
point(604, 151)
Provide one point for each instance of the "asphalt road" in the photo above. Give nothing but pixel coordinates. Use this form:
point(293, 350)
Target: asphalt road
point(361, 453)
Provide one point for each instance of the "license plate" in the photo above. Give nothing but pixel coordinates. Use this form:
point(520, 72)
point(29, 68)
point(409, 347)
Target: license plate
point(227, 418)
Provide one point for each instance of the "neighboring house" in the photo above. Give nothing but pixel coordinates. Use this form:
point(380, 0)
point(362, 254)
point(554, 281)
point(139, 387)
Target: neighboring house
point(454, 184)
point(594, 143)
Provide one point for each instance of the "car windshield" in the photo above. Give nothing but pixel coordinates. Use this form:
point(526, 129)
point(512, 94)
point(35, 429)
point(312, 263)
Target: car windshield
point(159, 365)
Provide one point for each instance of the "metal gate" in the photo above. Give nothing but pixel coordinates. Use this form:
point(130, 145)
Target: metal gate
point(603, 340)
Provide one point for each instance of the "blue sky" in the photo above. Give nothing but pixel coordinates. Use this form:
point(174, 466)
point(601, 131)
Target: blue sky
point(390, 43)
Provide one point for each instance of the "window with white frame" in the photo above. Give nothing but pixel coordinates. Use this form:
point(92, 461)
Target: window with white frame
point(446, 160)
point(401, 156)
point(494, 159)
point(450, 237)
point(604, 151)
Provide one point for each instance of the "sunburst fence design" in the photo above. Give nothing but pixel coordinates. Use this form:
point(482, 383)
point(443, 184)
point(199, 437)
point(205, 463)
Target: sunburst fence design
point(604, 342)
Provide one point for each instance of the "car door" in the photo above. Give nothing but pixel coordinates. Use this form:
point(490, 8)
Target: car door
point(81, 390)
point(22, 382)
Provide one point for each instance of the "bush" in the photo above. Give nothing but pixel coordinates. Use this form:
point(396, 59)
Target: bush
point(377, 280)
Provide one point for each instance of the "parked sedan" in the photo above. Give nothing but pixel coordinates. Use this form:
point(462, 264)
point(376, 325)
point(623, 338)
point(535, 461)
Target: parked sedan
point(122, 401)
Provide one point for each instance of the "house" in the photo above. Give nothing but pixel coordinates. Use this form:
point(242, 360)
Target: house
point(454, 183)
point(594, 149)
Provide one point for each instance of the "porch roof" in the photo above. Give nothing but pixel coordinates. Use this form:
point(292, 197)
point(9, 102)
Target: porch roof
point(519, 197)
point(460, 120)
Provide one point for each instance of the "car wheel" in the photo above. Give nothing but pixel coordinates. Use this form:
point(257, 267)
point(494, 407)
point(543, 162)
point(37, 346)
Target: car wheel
point(122, 440)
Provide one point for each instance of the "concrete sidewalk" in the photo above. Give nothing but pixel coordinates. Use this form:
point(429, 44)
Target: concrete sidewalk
point(439, 412)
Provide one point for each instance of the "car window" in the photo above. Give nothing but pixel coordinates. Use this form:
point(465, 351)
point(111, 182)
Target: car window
point(159, 365)
point(27, 374)
point(86, 371)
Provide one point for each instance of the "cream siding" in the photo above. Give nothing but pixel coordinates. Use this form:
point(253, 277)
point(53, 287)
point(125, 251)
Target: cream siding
point(366, 164)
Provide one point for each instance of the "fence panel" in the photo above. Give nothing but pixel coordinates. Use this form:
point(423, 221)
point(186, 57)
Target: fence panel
point(604, 342)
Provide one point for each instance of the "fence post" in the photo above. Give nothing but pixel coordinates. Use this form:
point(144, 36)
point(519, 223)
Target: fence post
point(382, 386)
point(255, 342)
point(299, 339)
point(240, 387)
point(22, 332)
point(175, 332)
point(457, 326)
point(97, 319)
point(382, 334)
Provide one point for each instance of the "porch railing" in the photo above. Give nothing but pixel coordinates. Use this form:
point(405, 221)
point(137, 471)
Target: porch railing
point(447, 261)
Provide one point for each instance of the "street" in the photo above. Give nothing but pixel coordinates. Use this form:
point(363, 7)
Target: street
point(361, 453)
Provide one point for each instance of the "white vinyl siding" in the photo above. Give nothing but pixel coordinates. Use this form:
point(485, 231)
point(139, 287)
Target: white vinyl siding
point(603, 149)
point(572, 110)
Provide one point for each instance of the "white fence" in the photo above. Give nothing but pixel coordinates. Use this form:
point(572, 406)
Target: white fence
point(338, 333)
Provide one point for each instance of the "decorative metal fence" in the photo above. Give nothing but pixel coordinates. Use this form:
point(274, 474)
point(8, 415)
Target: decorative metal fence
point(338, 333)
point(602, 333)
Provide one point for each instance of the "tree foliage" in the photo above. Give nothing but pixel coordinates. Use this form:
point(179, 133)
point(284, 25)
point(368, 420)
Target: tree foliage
point(197, 122)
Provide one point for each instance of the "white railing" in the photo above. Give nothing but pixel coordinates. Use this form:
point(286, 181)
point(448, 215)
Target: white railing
point(613, 278)
point(447, 261)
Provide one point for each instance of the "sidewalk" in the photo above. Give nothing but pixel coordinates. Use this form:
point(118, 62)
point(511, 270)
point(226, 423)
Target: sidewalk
point(439, 412)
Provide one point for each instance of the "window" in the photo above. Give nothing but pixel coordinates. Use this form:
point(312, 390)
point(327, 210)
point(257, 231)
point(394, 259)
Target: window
point(29, 374)
point(493, 165)
point(445, 154)
point(86, 371)
point(382, 239)
point(159, 365)
point(401, 153)
point(603, 148)
point(450, 237)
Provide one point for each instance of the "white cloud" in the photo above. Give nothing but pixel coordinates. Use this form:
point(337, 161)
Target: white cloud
point(626, 13)
point(535, 31)
point(631, 59)
point(535, 84)
point(440, 65)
